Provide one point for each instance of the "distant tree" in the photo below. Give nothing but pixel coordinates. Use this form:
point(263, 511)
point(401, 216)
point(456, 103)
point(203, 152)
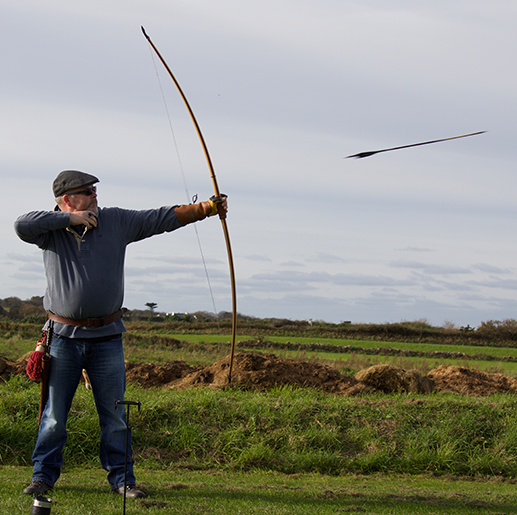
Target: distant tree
point(12, 302)
point(28, 309)
point(152, 306)
point(12, 305)
point(36, 301)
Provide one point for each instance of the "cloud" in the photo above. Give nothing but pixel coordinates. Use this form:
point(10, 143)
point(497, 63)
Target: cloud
point(415, 249)
point(25, 258)
point(314, 235)
point(490, 269)
point(503, 284)
point(430, 269)
point(258, 257)
point(291, 264)
point(325, 257)
point(307, 278)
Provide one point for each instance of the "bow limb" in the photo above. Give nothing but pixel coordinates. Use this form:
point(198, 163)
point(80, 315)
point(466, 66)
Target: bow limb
point(217, 194)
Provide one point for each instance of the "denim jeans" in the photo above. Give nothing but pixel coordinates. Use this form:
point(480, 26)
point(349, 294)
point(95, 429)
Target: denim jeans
point(104, 362)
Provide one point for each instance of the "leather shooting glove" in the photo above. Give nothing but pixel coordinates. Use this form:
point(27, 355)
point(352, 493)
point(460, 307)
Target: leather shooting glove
point(187, 214)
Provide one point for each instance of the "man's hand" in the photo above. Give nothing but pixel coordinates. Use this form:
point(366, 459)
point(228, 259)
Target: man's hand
point(218, 205)
point(86, 218)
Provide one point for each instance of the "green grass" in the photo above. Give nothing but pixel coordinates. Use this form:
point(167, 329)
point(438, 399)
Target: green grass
point(161, 343)
point(208, 349)
point(282, 451)
point(84, 491)
point(420, 347)
point(364, 344)
point(286, 430)
point(349, 364)
point(204, 349)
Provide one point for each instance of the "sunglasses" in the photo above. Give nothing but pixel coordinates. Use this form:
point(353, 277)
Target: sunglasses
point(88, 191)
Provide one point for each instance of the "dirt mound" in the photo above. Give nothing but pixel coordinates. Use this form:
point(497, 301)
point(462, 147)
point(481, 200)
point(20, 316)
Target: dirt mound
point(255, 371)
point(263, 371)
point(10, 368)
point(151, 374)
point(471, 382)
point(390, 379)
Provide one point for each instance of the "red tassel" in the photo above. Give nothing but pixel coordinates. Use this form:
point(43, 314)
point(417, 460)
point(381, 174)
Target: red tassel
point(34, 365)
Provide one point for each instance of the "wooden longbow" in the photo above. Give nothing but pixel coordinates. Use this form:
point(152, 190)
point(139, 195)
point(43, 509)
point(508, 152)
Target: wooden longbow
point(217, 192)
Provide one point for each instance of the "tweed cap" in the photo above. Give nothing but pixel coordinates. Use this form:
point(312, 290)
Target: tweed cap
point(71, 179)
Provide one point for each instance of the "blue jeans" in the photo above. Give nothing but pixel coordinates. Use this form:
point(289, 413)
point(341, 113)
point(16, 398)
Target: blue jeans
point(104, 362)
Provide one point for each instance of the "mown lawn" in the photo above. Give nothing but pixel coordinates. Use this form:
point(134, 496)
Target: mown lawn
point(84, 491)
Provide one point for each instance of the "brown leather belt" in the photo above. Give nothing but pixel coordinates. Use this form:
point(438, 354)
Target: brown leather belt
point(87, 322)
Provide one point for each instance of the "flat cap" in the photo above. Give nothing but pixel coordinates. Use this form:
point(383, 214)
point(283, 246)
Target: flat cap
point(71, 179)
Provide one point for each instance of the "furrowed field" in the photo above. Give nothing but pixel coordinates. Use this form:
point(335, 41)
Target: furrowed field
point(302, 427)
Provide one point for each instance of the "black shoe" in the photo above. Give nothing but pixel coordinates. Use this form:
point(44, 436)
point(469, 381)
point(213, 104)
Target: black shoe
point(37, 488)
point(132, 492)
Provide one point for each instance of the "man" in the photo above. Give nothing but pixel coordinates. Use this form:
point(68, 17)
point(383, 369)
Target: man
point(83, 253)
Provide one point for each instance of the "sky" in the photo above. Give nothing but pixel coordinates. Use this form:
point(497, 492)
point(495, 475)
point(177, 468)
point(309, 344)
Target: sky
point(283, 90)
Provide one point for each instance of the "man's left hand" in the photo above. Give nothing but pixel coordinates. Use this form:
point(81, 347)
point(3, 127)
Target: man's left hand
point(219, 205)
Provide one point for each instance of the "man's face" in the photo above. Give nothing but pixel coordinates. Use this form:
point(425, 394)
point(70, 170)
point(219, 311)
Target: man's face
point(83, 199)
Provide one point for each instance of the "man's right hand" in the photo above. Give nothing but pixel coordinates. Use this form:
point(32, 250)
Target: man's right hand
point(86, 218)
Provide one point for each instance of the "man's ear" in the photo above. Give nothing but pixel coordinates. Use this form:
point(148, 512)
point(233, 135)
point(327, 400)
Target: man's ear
point(66, 201)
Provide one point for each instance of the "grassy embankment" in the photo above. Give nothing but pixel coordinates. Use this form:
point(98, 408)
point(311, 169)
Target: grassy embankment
point(376, 453)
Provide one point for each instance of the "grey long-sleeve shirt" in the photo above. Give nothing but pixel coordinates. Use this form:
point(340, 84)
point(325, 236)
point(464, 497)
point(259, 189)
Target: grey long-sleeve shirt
point(85, 275)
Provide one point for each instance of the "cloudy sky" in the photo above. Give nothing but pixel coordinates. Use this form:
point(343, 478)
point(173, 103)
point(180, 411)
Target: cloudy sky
point(283, 90)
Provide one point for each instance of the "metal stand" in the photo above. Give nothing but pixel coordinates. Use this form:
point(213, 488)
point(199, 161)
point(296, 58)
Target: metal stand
point(128, 404)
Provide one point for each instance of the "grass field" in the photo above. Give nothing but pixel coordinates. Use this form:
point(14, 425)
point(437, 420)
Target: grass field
point(286, 450)
point(188, 492)
point(282, 451)
point(419, 347)
point(204, 349)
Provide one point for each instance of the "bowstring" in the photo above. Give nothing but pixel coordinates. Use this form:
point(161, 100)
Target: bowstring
point(189, 198)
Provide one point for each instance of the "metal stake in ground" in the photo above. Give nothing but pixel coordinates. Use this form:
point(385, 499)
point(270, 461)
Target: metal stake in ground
point(128, 404)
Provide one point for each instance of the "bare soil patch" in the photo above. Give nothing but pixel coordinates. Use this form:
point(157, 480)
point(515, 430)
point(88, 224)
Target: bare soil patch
point(257, 372)
point(471, 382)
point(10, 368)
